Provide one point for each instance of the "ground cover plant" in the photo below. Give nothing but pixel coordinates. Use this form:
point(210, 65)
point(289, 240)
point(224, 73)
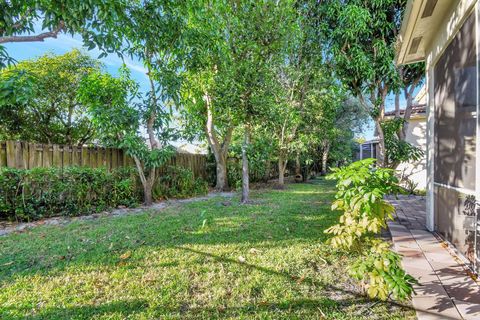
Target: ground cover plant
point(201, 260)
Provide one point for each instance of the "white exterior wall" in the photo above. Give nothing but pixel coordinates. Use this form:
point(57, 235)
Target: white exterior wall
point(416, 135)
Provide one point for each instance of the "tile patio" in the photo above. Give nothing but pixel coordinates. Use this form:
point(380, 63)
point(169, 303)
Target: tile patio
point(445, 290)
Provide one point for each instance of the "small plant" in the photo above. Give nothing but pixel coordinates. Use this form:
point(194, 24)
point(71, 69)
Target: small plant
point(178, 182)
point(410, 186)
point(361, 190)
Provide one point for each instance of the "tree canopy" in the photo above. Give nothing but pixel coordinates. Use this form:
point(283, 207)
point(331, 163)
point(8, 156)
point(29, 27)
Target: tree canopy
point(99, 22)
point(44, 91)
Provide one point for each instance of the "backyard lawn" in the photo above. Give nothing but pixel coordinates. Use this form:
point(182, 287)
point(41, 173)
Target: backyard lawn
point(200, 260)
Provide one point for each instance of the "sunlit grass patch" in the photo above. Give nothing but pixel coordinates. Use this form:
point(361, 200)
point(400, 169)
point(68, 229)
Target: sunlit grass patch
point(267, 260)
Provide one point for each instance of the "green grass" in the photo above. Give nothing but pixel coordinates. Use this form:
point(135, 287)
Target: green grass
point(185, 263)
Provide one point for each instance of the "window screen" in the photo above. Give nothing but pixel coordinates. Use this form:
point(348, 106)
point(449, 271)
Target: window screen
point(455, 85)
point(455, 79)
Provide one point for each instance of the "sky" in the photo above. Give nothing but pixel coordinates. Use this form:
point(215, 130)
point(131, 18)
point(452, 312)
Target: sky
point(65, 43)
point(112, 63)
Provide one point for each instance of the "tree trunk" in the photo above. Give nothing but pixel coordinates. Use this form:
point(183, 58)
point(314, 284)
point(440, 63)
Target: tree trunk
point(397, 104)
point(298, 169)
point(381, 154)
point(245, 177)
point(147, 194)
point(221, 164)
point(219, 150)
point(326, 150)
point(268, 166)
point(381, 161)
point(282, 165)
point(147, 182)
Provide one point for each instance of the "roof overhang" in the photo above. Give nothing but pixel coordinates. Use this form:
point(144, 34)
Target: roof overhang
point(421, 22)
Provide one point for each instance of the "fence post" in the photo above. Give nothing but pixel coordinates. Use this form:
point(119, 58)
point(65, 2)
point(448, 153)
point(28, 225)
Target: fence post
point(57, 156)
point(3, 154)
point(47, 156)
point(32, 152)
point(10, 154)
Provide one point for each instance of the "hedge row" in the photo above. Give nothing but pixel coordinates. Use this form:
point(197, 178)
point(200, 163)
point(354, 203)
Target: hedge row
point(178, 182)
point(44, 192)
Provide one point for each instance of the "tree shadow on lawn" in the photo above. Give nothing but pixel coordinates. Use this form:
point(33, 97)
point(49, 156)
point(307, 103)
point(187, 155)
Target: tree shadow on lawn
point(46, 250)
point(313, 308)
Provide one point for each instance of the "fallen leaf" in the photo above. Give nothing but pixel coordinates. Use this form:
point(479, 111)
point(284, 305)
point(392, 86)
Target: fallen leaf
point(126, 255)
point(254, 251)
point(301, 279)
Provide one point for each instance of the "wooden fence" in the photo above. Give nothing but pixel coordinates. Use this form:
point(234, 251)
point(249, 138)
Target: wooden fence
point(23, 155)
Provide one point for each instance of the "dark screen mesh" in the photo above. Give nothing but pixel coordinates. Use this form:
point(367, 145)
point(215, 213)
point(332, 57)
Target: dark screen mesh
point(455, 80)
point(455, 84)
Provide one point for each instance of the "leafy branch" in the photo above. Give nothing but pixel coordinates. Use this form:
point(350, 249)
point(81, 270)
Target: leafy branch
point(361, 191)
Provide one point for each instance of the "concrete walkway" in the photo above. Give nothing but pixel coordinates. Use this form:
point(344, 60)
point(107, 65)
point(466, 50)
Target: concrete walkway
point(446, 290)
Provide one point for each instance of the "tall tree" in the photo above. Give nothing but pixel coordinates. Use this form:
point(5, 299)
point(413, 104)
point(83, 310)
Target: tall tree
point(120, 114)
point(361, 36)
point(51, 102)
point(207, 66)
point(153, 34)
point(258, 34)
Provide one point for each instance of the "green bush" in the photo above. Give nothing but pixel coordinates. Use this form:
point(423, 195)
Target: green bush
point(361, 190)
point(178, 182)
point(257, 171)
point(234, 173)
point(45, 192)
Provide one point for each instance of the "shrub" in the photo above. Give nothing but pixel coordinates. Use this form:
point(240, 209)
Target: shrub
point(178, 182)
point(234, 173)
point(361, 190)
point(259, 171)
point(45, 192)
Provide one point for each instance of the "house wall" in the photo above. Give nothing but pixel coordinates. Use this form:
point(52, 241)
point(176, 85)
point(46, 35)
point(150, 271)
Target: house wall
point(448, 189)
point(416, 171)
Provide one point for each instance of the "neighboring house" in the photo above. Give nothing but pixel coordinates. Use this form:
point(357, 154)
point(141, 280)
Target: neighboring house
point(443, 33)
point(185, 147)
point(367, 149)
point(415, 171)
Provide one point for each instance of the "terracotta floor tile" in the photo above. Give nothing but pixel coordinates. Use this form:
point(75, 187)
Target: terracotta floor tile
point(435, 307)
point(445, 291)
point(469, 311)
